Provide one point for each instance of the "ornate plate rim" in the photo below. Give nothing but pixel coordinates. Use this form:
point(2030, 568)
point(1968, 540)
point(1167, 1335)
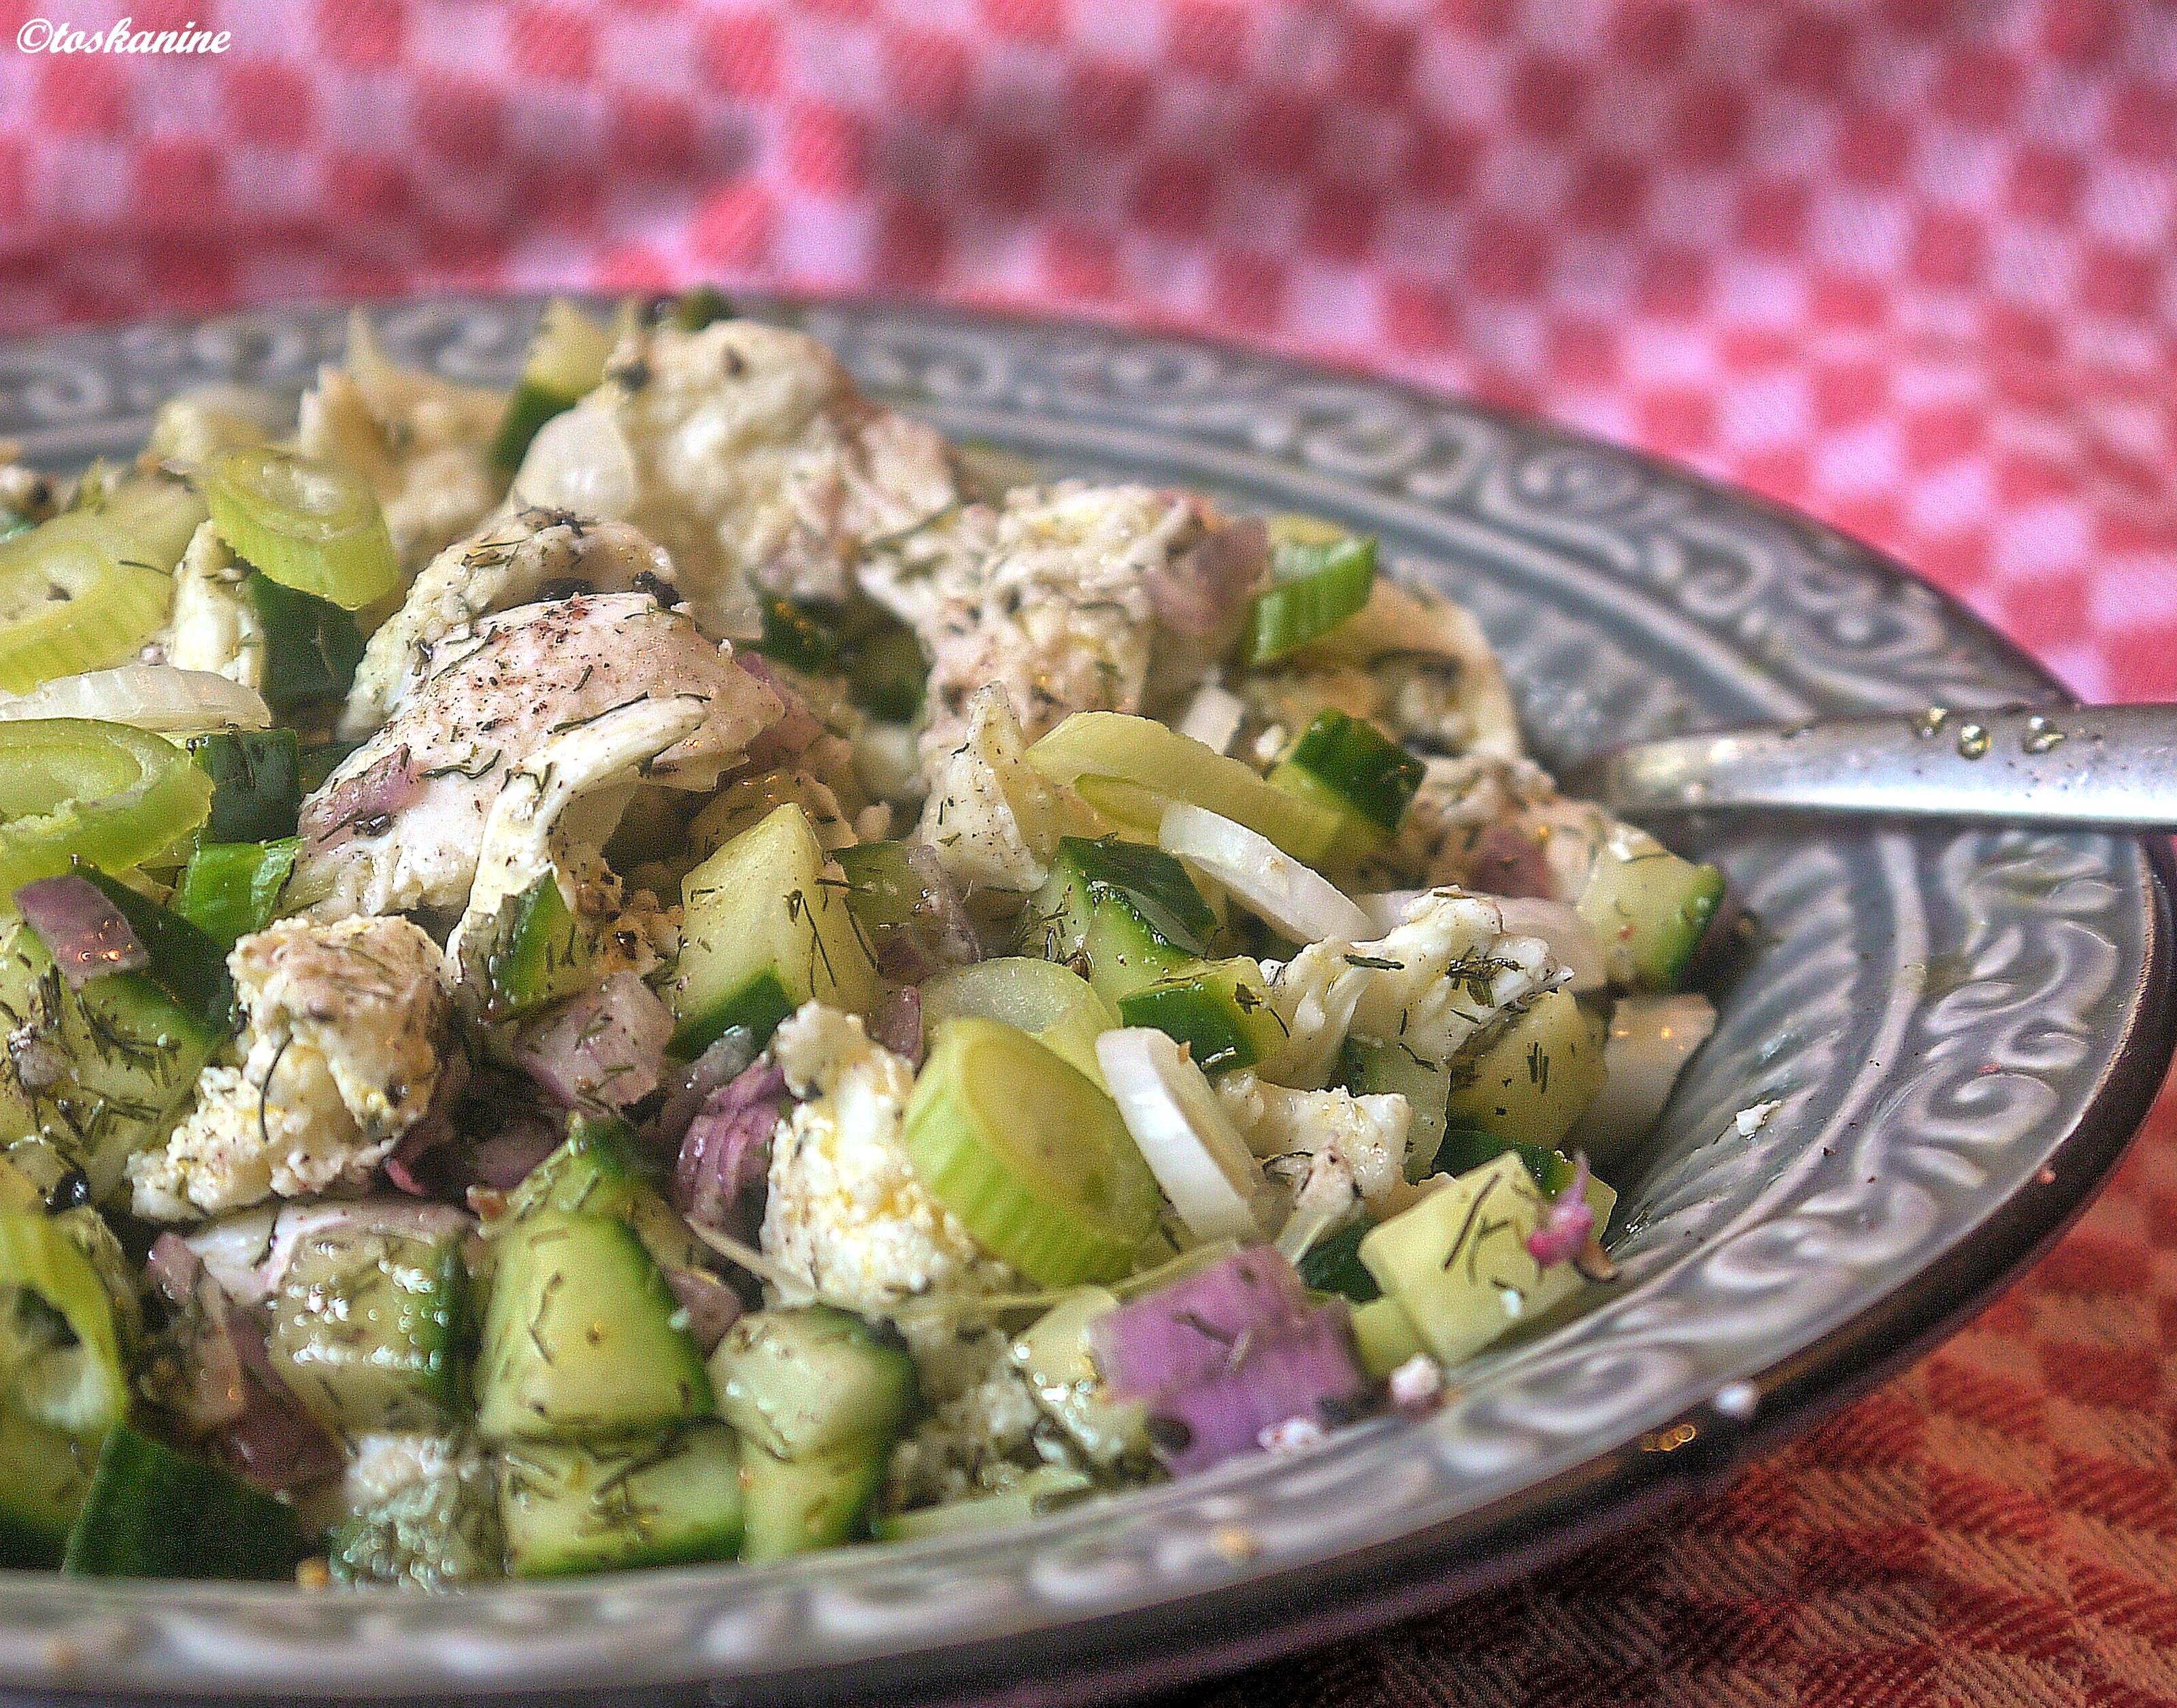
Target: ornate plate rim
point(1256, 1618)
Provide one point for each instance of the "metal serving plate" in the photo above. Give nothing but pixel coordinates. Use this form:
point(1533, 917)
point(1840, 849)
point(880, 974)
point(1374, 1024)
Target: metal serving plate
point(1961, 1030)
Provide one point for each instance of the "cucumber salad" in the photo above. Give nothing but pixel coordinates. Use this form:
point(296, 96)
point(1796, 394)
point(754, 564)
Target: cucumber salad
point(670, 968)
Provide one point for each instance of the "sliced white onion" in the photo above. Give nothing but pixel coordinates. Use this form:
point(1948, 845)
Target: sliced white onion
point(1190, 1146)
point(1298, 900)
point(157, 697)
point(1651, 1039)
point(1572, 940)
point(1386, 908)
point(1213, 716)
point(580, 460)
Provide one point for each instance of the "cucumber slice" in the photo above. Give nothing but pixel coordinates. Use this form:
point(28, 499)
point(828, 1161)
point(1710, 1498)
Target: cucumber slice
point(1535, 1077)
point(566, 359)
point(1053, 1353)
point(60, 1353)
point(567, 1510)
point(256, 783)
point(1125, 913)
point(1151, 766)
point(370, 1329)
point(311, 645)
point(767, 928)
point(578, 1341)
point(128, 1055)
point(1373, 1069)
point(1054, 1005)
point(1030, 1155)
point(1648, 907)
point(311, 526)
point(535, 954)
point(1220, 1010)
point(1458, 1260)
point(44, 1475)
point(1384, 1335)
point(801, 1382)
point(152, 1512)
point(1047, 1489)
point(1319, 577)
point(1348, 766)
point(795, 1506)
point(230, 889)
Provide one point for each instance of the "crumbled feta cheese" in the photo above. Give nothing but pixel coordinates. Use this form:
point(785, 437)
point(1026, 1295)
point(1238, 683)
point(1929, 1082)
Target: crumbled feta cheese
point(1416, 1386)
point(211, 626)
point(992, 819)
point(1336, 1149)
point(1294, 1435)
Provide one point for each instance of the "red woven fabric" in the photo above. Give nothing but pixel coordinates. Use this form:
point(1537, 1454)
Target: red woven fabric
point(1909, 266)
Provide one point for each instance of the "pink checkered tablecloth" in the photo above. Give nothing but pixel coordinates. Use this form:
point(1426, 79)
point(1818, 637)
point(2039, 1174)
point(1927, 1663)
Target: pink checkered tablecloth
point(1912, 267)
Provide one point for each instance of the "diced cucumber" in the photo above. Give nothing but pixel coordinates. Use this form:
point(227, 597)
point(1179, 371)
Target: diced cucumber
point(536, 952)
point(601, 1171)
point(230, 889)
point(60, 1351)
point(886, 672)
point(1220, 1010)
point(578, 1341)
point(794, 1506)
point(1053, 1353)
point(1373, 1069)
point(1465, 1149)
point(1350, 767)
point(668, 1502)
point(256, 783)
point(1333, 1263)
point(311, 645)
point(113, 1066)
point(566, 359)
point(1535, 1077)
point(767, 928)
point(1458, 1260)
point(800, 636)
point(801, 1382)
point(1045, 1490)
point(1123, 912)
point(1030, 1155)
point(152, 1512)
point(1054, 1005)
point(370, 1329)
point(44, 1475)
point(1384, 1334)
point(1648, 907)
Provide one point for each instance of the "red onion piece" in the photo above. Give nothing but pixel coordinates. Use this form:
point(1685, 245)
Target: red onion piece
point(1505, 861)
point(898, 1025)
point(363, 805)
point(503, 1162)
point(433, 1129)
point(711, 1306)
point(1570, 1223)
point(1306, 1372)
point(274, 1442)
point(603, 1049)
point(795, 732)
point(942, 911)
point(1201, 590)
point(727, 1153)
point(81, 929)
point(687, 1091)
point(1193, 1330)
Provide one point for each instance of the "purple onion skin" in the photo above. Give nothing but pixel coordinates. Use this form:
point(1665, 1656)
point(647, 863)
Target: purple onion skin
point(1202, 593)
point(1506, 862)
point(603, 1049)
point(1189, 1332)
point(711, 1306)
point(81, 929)
point(363, 805)
point(690, 1088)
point(726, 1155)
point(897, 1025)
point(1308, 1373)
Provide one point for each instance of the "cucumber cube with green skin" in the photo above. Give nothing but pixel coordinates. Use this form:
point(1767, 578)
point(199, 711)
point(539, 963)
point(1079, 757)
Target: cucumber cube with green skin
point(601, 1171)
point(1121, 913)
point(793, 1506)
point(230, 889)
point(1047, 1489)
point(1457, 1261)
point(44, 1475)
point(1465, 1149)
point(767, 929)
point(128, 1051)
point(1333, 1263)
point(1384, 1335)
point(581, 1341)
point(311, 645)
point(1535, 1077)
point(1350, 765)
point(668, 1502)
point(1371, 1069)
point(152, 1512)
point(536, 953)
point(804, 1382)
point(1649, 907)
point(256, 783)
point(370, 1329)
point(797, 635)
point(1220, 1010)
